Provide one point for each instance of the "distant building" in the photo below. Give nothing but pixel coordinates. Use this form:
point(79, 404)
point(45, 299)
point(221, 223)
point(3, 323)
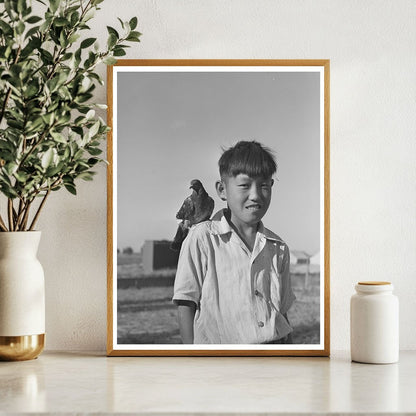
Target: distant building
point(157, 255)
point(299, 257)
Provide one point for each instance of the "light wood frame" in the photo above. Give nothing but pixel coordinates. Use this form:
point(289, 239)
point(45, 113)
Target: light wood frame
point(113, 350)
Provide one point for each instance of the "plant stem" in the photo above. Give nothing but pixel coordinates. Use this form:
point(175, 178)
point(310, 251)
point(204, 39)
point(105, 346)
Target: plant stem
point(26, 216)
point(10, 213)
point(2, 224)
point(3, 108)
point(38, 211)
point(20, 213)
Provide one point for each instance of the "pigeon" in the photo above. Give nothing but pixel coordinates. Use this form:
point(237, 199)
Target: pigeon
point(196, 208)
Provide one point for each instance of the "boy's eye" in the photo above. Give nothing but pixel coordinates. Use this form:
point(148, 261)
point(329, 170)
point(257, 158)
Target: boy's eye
point(243, 186)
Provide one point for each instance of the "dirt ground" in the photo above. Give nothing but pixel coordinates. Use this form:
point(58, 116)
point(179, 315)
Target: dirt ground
point(146, 314)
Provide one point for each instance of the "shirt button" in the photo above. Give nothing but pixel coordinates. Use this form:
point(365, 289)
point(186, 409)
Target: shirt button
point(261, 324)
point(256, 292)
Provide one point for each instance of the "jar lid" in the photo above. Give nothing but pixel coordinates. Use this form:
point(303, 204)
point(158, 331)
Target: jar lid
point(373, 287)
point(374, 283)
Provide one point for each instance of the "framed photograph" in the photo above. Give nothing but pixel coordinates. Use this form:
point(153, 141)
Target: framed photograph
point(218, 208)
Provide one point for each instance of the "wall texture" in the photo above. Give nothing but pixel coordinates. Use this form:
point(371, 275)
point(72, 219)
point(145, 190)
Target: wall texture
point(371, 45)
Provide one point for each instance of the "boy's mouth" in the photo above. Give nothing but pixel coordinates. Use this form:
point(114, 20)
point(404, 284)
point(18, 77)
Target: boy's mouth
point(253, 207)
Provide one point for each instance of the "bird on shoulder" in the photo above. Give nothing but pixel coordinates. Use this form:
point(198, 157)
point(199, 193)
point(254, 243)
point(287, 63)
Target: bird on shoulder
point(196, 208)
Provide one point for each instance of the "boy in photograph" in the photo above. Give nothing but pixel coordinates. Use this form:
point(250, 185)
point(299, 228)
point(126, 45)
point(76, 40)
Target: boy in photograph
point(232, 284)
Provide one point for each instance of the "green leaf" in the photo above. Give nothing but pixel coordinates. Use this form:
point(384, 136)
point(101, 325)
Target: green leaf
point(54, 4)
point(82, 166)
point(94, 129)
point(21, 6)
point(121, 22)
point(112, 31)
point(61, 21)
point(90, 114)
point(10, 8)
point(33, 19)
point(52, 85)
point(8, 52)
point(92, 161)
point(134, 37)
point(46, 56)
point(52, 171)
point(133, 23)
point(47, 158)
point(48, 118)
point(63, 41)
point(82, 98)
point(74, 18)
point(67, 153)
point(70, 188)
point(58, 137)
point(86, 176)
point(94, 151)
point(28, 50)
point(35, 125)
point(96, 77)
point(73, 38)
point(21, 176)
point(20, 28)
point(119, 51)
point(110, 61)
point(11, 168)
point(5, 146)
point(87, 42)
point(15, 124)
point(7, 30)
point(30, 90)
point(27, 11)
point(112, 41)
point(8, 191)
point(88, 16)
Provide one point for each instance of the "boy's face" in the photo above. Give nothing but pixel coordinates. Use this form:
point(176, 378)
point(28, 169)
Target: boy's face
point(248, 198)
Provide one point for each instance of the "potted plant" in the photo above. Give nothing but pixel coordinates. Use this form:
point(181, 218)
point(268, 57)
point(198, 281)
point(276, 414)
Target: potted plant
point(50, 136)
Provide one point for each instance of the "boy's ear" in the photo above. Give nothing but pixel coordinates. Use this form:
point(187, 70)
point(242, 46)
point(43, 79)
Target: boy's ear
point(220, 187)
point(272, 182)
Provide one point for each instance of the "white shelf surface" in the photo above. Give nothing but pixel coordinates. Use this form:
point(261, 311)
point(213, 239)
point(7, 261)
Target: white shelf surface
point(85, 382)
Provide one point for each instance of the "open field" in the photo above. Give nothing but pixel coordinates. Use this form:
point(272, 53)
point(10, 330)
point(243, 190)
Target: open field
point(146, 314)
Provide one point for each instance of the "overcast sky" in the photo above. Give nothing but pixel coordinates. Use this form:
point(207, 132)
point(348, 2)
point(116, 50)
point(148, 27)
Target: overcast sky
point(171, 128)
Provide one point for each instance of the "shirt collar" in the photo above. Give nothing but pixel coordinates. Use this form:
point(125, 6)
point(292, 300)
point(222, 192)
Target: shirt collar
point(220, 225)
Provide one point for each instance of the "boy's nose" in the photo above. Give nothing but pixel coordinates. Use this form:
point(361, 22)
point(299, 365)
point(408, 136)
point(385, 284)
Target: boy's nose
point(254, 193)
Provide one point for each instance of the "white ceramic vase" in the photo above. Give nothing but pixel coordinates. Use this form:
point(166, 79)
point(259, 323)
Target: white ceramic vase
point(22, 296)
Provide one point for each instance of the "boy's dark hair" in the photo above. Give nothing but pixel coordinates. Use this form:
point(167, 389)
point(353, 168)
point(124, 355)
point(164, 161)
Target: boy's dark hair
point(250, 158)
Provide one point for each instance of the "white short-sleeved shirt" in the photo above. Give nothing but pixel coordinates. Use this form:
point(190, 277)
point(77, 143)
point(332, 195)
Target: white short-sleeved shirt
point(241, 296)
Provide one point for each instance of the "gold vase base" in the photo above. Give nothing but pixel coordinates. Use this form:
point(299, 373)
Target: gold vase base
point(21, 348)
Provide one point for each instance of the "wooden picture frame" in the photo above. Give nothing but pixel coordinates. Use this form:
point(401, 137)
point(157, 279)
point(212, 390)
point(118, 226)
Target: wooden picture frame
point(170, 120)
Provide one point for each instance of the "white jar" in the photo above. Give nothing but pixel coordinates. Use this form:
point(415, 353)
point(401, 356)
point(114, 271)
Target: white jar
point(374, 323)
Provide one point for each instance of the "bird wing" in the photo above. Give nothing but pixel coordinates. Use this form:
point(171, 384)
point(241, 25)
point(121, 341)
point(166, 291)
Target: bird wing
point(187, 209)
point(204, 206)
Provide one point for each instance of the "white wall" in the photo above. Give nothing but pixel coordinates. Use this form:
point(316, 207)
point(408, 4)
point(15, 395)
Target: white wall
point(371, 45)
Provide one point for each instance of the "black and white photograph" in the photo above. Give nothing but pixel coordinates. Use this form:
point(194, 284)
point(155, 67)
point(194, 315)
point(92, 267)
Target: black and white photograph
point(218, 211)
